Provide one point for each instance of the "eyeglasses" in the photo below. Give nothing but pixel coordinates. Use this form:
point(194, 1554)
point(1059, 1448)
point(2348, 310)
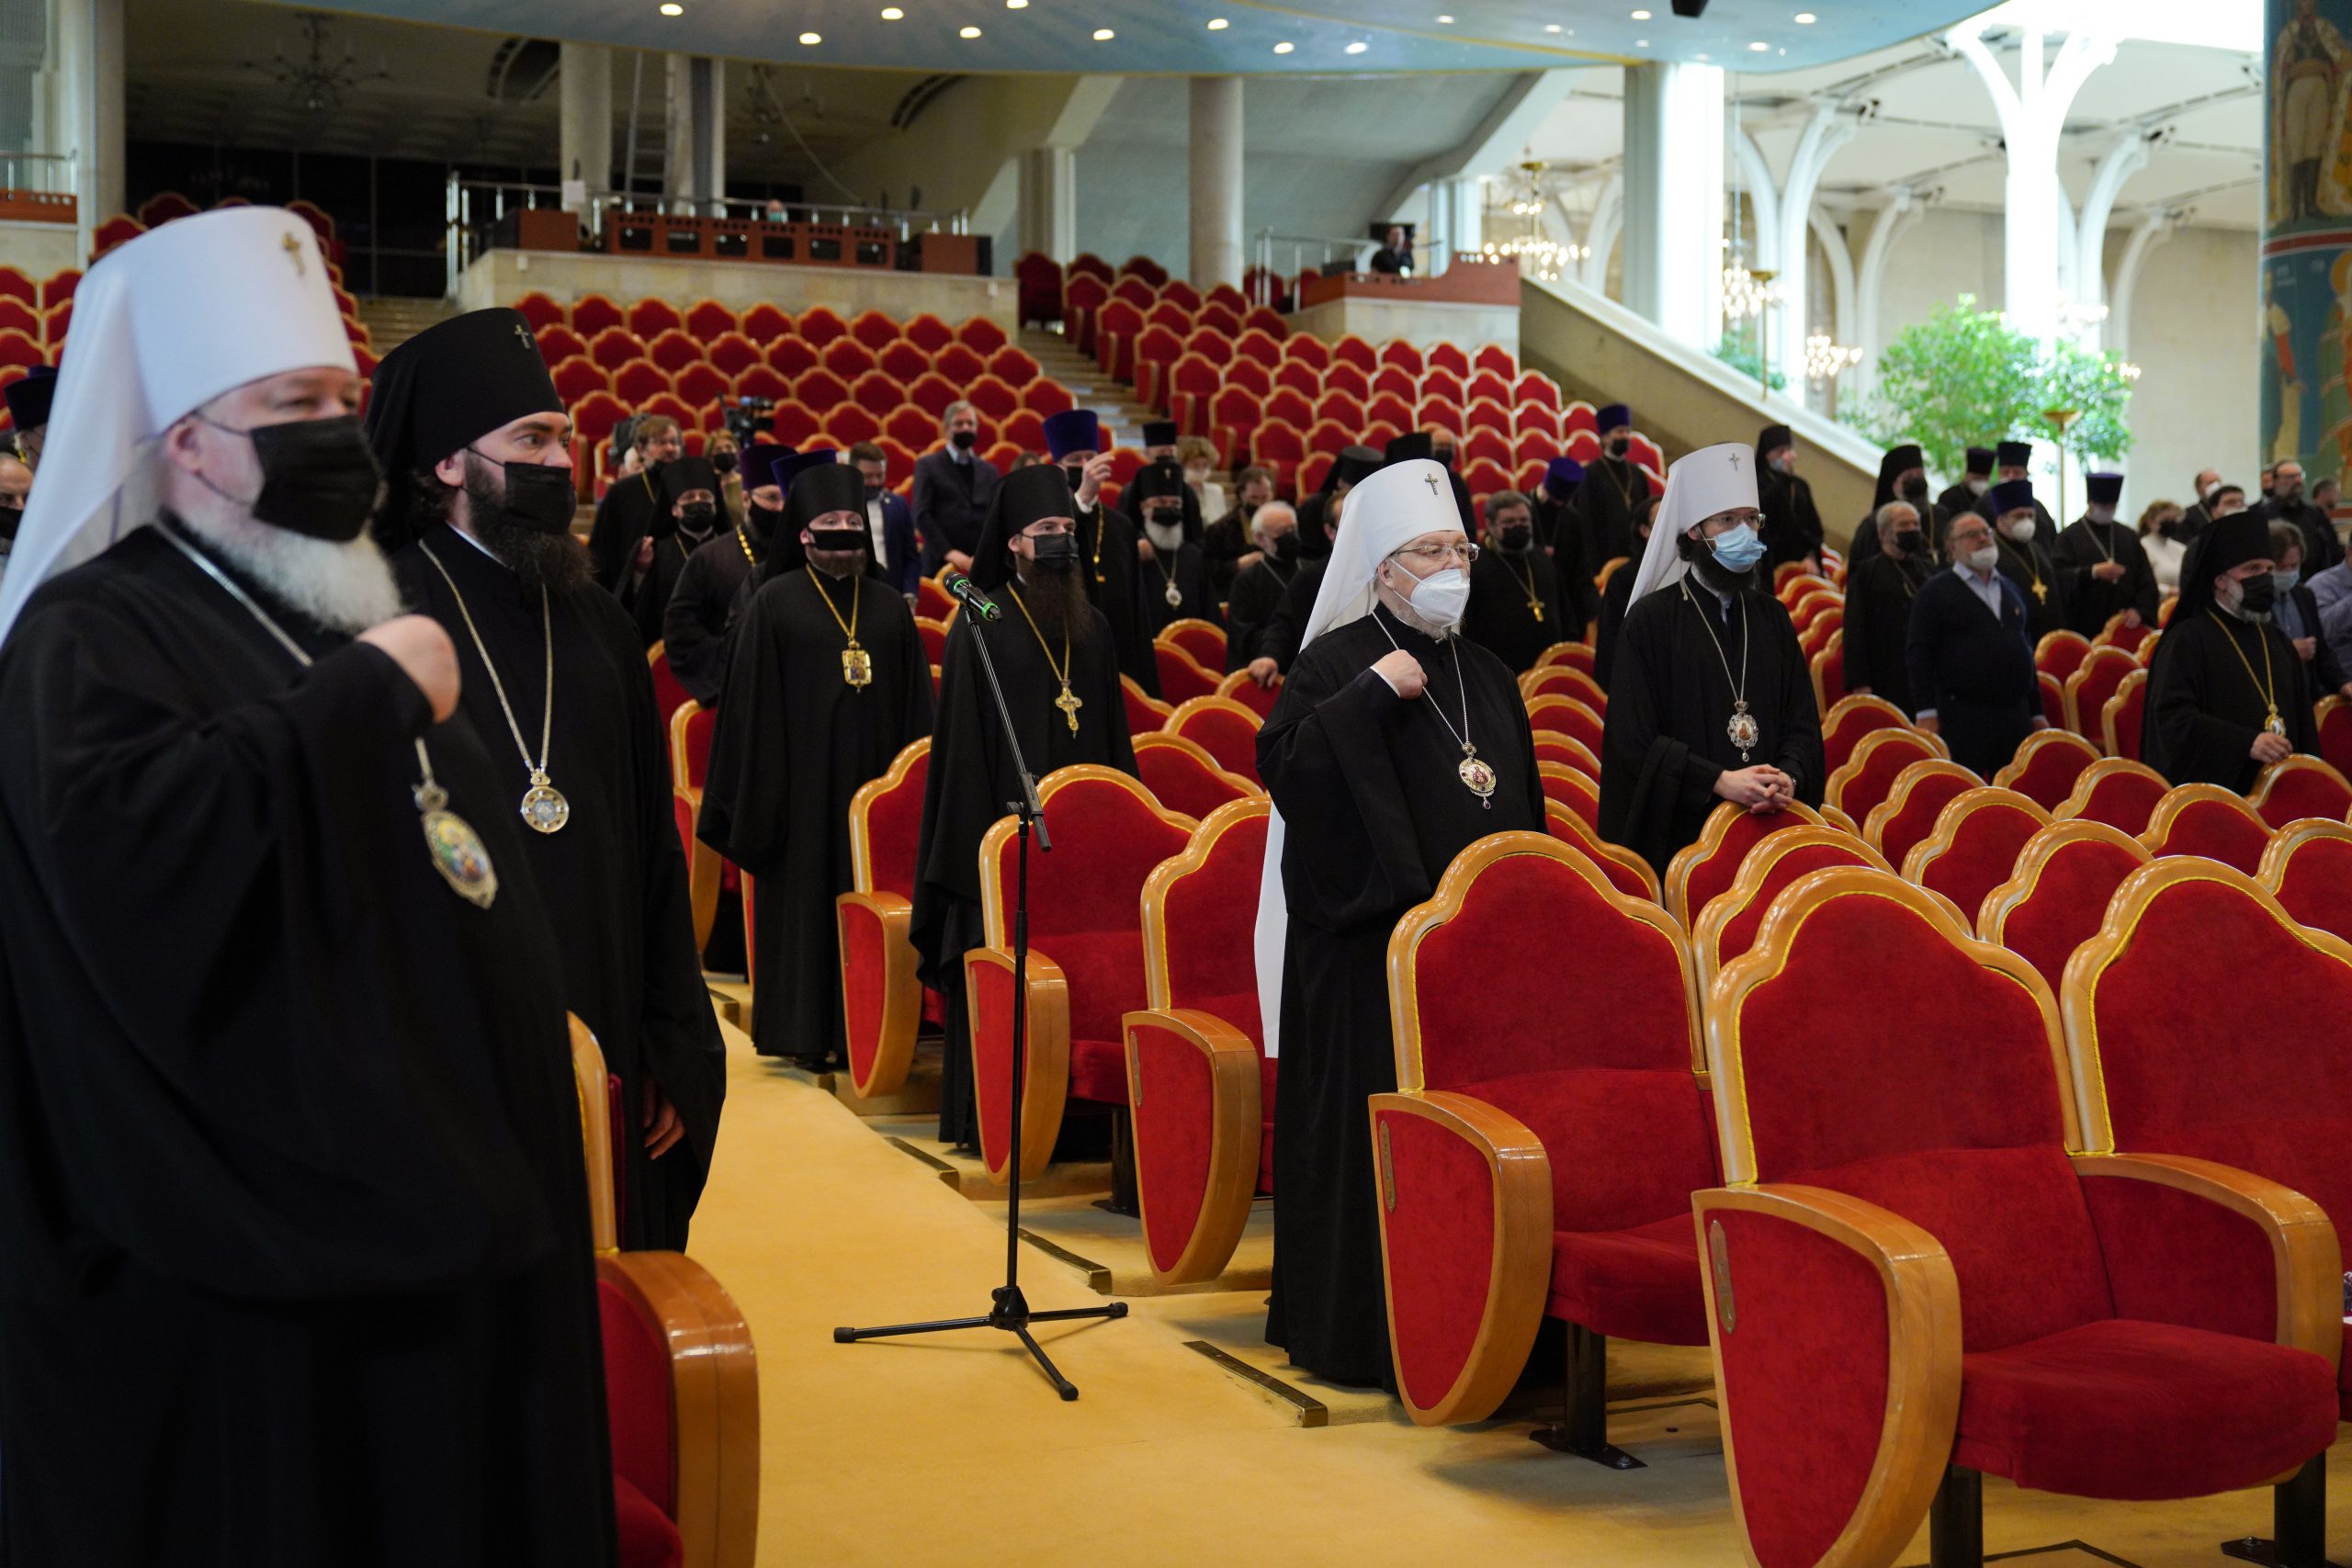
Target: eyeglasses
point(1434, 555)
point(1731, 520)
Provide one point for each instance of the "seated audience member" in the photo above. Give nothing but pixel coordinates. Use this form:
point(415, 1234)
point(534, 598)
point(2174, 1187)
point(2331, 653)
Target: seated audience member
point(1273, 566)
point(1226, 546)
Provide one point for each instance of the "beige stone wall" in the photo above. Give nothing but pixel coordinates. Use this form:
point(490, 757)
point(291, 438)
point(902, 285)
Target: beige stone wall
point(501, 276)
point(1421, 323)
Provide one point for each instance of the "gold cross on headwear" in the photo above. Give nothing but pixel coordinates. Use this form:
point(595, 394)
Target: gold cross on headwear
point(1430, 481)
point(293, 249)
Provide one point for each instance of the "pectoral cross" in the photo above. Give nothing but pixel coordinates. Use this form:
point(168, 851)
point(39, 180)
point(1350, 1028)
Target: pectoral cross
point(1430, 481)
point(1069, 703)
point(293, 249)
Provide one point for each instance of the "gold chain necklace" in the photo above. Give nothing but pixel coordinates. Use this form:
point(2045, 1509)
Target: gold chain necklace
point(1527, 581)
point(544, 807)
point(455, 848)
point(1477, 775)
point(1742, 728)
point(857, 665)
point(1068, 702)
point(2041, 589)
point(744, 540)
point(2271, 723)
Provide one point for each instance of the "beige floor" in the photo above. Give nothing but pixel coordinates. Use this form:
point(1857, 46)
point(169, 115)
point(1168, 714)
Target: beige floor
point(951, 1448)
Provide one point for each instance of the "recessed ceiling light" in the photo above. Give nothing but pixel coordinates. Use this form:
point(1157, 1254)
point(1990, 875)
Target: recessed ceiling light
point(892, 14)
point(1550, 27)
point(967, 32)
point(1017, 5)
point(674, 10)
point(812, 37)
point(1641, 43)
point(1358, 47)
point(1641, 15)
point(1218, 24)
point(1759, 46)
point(1807, 18)
point(1103, 35)
point(1446, 19)
point(1284, 48)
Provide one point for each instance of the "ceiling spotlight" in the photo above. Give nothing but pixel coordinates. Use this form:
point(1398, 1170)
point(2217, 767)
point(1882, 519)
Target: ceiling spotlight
point(1550, 27)
point(967, 32)
point(1759, 47)
point(1218, 24)
point(1358, 47)
point(892, 14)
point(674, 10)
point(1103, 35)
point(1285, 47)
point(1017, 5)
point(1807, 18)
point(1641, 15)
point(812, 37)
point(1448, 20)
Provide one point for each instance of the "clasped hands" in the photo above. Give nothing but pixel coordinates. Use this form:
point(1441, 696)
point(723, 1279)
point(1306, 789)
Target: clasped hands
point(1758, 790)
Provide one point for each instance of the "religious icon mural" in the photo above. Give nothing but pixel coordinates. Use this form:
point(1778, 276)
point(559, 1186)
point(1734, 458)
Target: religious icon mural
point(2306, 312)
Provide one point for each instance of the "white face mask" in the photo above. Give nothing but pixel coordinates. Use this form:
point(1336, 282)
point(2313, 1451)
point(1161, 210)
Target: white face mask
point(1441, 597)
point(2099, 514)
point(1979, 486)
point(1984, 559)
point(2021, 530)
point(1197, 476)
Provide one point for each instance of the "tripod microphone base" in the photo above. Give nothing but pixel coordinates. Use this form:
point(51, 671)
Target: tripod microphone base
point(1010, 1312)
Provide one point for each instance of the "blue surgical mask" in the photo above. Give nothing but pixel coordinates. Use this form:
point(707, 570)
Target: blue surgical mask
point(2285, 580)
point(1738, 548)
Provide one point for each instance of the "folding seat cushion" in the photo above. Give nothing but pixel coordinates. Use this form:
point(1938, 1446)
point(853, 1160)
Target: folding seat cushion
point(1870, 772)
point(1223, 727)
point(1710, 864)
point(1528, 1167)
point(1200, 1087)
point(1912, 1267)
point(2308, 868)
point(1973, 847)
point(2047, 763)
point(1086, 969)
point(2301, 786)
point(1725, 927)
point(1184, 778)
point(1908, 813)
point(2206, 819)
point(2157, 1030)
point(2117, 791)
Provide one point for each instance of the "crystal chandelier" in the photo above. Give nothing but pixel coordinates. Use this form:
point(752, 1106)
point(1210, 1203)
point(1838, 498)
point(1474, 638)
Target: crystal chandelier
point(1746, 293)
point(1825, 359)
point(1538, 255)
point(315, 83)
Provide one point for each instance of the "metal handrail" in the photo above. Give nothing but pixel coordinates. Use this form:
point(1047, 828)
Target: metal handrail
point(1310, 250)
point(65, 177)
point(470, 199)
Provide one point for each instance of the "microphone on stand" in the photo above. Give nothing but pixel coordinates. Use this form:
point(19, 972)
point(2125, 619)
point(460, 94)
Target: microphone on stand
point(966, 591)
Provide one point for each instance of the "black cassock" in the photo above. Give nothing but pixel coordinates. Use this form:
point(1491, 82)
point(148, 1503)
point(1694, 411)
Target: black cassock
point(794, 742)
point(1257, 594)
point(648, 600)
point(2206, 700)
point(1281, 633)
point(1190, 576)
point(1879, 593)
point(707, 597)
point(2039, 584)
point(1792, 521)
point(1114, 578)
point(625, 515)
point(615, 877)
point(971, 782)
point(1615, 600)
point(1605, 503)
point(2089, 602)
point(1516, 610)
point(299, 1261)
point(1374, 812)
point(1670, 701)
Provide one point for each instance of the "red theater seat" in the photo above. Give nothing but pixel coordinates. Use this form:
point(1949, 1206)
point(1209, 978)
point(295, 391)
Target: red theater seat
point(592, 313)
point(2167, 1068)
point(1261, 700)
point(1552, 712)
point(1447, 355)
point(2334, 716)
point(1626, 872)
point(1870, 772)
point(2116, 791)
point(650, 318)
point(2046, 765)
point(708, 321)
point(980, 334)
point(1845, 724)
point(1086, 968)
point(2206, 819)
point(1908, 813)
point(2308, 868)
point(1201, 1091)
point(792, 355)
point(883, 1003)
point(846, 357)
point(2301, 786)
point(1204, 640)
point(639, 381)
point(700, 385)
point(577, 377)
point(1916, 1276)
point(2095, 680)
point(1146, 714)
point(615, 346)
point(1181, 676)
point(1710, 864)
point(1184, 777)
point(2057, 891)
point(765, 323)
point(820, 324)
point(1225, 728)
point(1492, 1217)
point(1974, 846)
point(536, 307)
point(1727, 927)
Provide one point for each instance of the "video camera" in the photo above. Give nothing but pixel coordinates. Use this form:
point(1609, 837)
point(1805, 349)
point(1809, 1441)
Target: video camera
point(748, 419)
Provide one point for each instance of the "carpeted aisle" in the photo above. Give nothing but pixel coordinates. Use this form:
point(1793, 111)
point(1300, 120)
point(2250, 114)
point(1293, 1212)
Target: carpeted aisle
point(952, 1448)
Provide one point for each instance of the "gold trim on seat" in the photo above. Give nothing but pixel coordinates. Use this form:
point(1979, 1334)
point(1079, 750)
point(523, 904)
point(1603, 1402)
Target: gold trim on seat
point(1993, 915)
point(1709, 843)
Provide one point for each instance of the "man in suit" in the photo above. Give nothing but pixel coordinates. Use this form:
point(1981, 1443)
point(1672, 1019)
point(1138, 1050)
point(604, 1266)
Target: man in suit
point(889, 520)
point(952, 489)
point(1971, 653)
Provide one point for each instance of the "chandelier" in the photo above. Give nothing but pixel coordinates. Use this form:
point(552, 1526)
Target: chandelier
point(1538, 253)
point(2074, 319)
point(1825, 359)
point(1748, 293)
point(315, 82)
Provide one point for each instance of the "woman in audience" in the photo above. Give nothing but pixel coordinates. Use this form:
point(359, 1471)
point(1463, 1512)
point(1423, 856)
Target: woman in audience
point(2160, 541)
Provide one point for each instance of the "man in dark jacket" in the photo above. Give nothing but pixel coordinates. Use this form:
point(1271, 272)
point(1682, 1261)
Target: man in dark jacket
point(889, 520)
point(1971, 656)
point(952, 489)
point(1879, 595)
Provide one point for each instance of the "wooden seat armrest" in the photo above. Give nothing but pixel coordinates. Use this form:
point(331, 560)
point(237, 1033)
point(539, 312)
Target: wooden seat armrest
point(879, 1067)
point(1781, 1313)
point(1167, 1123)
point(1045, 1090)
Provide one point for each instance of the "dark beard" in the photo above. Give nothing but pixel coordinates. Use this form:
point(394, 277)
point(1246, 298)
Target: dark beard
point(1716, 576)
point(1056, 602)
point(550, 561)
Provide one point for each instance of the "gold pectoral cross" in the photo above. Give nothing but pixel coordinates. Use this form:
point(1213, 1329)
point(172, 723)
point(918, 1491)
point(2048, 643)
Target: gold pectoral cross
point(293, 249)
point(2040, 590)
point(1069, 703)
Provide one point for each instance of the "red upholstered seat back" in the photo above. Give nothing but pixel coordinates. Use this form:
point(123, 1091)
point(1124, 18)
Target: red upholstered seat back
point(2189, 1068)
point(2053, 759)
point(1223, 729)
point(1848, 721)
point(2314, 884)
point(1712, 870)
point(1877, 1054)
point(637, 1398)
point(1739, 931)
point(1185, 779)
point(2117, 793)
point(668, 695)
point(2214, 824)
point(2302, 787)
point(1208, 915)
point(887, 817)
point(1086, 898)
point(1876, 764)
point(1921, 792)
point(1982, 852)
point(2064, 876)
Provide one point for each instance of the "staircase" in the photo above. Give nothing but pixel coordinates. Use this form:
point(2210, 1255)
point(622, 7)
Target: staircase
point(1113, 401)
point(392, 320)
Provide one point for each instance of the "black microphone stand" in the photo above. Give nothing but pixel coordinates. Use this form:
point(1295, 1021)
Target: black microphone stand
point(1009, 1309)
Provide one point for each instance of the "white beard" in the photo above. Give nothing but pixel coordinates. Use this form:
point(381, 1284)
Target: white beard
point(346, 587)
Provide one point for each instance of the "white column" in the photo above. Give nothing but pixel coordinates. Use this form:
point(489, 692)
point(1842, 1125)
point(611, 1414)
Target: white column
point(1049, 222)
point(584, 85)
point(2151, 232)
point(1217, 181)
point(2123, 160)
point(677, 131)
point(1601, 235)
point(1829, 130)
point(1673, 198)
point(2032, 112)
point(710, 131)
point(89, 123)
point(1906, 209)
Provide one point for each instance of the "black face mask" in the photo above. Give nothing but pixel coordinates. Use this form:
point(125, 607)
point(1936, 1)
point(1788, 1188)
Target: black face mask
point(964, 440)
point(1906, 539)
point(874, 493)
point(1617, 444)
point(318, 477)
point(697, 515)
point(1444, 455)
point(2168, 527)
point(1054, 552)
point(2260, 594)
point(1914, 488)
point(1515, 536)
point(723, 461)
point(839, 541)
point(763, 520)
point(1284, 548)
point(1076, 474)
point(11, 519)
point(535, 497)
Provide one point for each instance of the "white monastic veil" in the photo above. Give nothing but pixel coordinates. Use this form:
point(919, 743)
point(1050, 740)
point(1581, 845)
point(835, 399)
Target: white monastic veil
point(1389, 510)
point(1712, 479)
point(162, 326)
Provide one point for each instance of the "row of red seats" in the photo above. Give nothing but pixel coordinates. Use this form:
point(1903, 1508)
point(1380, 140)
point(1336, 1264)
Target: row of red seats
point(707, 321)
point(735, 353)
